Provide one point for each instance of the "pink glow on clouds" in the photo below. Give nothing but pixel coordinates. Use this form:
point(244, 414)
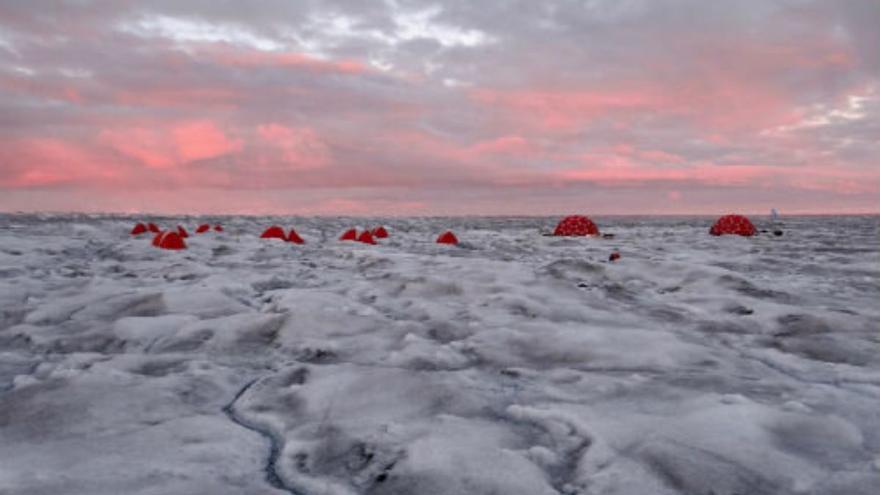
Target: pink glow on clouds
point(767, 99)
point(167, 145)
point(229, 56)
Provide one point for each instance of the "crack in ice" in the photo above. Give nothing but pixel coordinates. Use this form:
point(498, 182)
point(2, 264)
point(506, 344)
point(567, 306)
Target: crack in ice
point(275, 444)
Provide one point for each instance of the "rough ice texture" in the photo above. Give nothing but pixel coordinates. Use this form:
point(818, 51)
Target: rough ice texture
point(513, 363)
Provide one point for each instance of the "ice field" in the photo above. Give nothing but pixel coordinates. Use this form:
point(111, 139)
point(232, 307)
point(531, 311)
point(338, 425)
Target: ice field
point(513, 363)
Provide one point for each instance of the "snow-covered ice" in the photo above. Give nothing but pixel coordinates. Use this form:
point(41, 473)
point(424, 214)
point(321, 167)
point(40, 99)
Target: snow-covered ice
point(513, 363)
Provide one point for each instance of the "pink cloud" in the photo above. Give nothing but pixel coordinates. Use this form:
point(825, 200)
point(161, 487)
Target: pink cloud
point(163, 146)
point(236, 57)
point(293, 148)
point(46, 162)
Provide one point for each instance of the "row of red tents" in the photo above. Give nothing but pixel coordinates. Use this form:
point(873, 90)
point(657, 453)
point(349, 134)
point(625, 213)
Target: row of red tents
point(574, 225)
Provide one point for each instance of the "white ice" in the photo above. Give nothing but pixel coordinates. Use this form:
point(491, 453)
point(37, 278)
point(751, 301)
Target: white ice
point(514, 363)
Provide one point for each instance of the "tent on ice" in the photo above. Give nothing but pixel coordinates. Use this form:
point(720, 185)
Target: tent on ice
point(447, 238)
point(366, 237)
point(295, 238)
point(576, 225)
point(733, 224)
point(274, 232)
point(169, 240)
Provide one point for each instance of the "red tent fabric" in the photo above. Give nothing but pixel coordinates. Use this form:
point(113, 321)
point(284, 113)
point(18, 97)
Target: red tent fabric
point(575, 225)
point(139, 229)
point(733, 224)
point(203, 228)
point(218, 228)
point(349, 235)
point(274, 232)
point(182, 232)
point(366, 237)
point(169, 240)
point(447, 238)
point(152, 227)
point(295, 238)
point(380, 232)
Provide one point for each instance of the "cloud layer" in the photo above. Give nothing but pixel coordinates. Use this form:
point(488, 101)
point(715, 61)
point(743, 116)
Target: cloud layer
point(412, 107)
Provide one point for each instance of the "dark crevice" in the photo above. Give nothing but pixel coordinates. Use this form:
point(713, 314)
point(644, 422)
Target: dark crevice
point(275, 443)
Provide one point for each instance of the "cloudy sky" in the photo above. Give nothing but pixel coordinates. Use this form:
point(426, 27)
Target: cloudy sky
point(411, 107)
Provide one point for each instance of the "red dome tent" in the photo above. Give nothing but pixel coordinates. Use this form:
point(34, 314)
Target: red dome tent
point(295, 238)
point(447, 238)
point(203, 228)
point(139, 229)
point(152, 227)
point(733, 224)
point(274, 232)
point(380, 232)
point(182, 232)
point(366, 237)
point(169, 240)
point(576, 225)
point(349, 235)
point(218, 228)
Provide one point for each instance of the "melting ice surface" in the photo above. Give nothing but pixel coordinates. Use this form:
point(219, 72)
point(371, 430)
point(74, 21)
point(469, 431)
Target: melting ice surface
point(511, 364)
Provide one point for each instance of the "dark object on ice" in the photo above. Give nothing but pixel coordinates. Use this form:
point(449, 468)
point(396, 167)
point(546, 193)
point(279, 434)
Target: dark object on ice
point(139, 229)
point(294, 237)
point(203, 228)
point(777, 233)
point(607, 236)
point(733, 224)
point(447, 238)
point(614, 256)
point(169, 240)
point(576, 225)
point(152, 227)
point(366, 237)
point(380, 232)
point(349, 235)
point(739, 309)
point(218, 228)
point(274, 232)
point(182, 232)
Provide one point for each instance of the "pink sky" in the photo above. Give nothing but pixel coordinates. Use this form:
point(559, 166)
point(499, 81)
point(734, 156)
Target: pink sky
point(417, 108)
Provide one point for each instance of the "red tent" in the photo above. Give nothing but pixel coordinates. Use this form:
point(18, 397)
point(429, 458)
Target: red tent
point(139, 229)
point(295, 238)
point(274, 232)
point(152, 227)
point(218, 228)
point(349, 235)
point(447, 238)
point(203, 228)
point(182, 231)
point(380, 232)
point(733, 224)
point(169, 240)
point(366, 237)
point(576, 225)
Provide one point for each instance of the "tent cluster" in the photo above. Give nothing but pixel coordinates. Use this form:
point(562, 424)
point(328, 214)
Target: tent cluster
point(170, 239)
point(574, 225)
point(276, 232)
point(367, 236)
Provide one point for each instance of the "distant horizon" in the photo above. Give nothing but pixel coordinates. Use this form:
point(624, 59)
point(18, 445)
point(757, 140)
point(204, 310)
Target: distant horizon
point(473, 215)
